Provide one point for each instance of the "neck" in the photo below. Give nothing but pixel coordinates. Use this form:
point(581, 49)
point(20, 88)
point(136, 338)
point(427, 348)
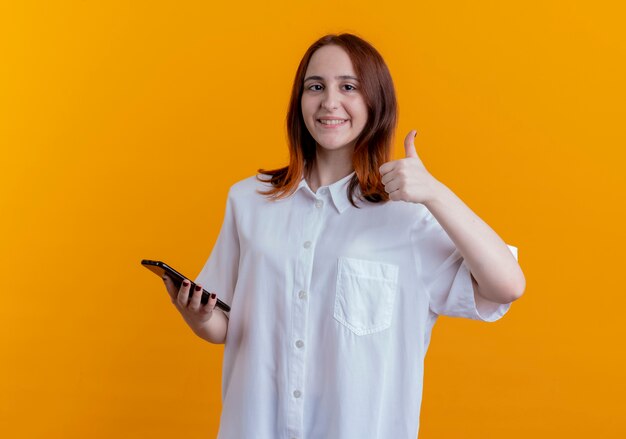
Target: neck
point(329, 167)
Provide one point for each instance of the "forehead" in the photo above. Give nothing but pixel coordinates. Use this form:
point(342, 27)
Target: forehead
point(330, 61)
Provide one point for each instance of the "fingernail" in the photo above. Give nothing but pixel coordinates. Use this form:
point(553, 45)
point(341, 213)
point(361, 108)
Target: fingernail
point(213, 295)
point(197, 287)
point(186, 283)
point(415, 135)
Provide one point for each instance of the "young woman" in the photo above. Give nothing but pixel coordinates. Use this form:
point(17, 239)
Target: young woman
point(337, 266)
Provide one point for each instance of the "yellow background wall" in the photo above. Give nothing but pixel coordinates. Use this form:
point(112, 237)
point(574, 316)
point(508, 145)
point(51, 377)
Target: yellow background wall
point(123, 124)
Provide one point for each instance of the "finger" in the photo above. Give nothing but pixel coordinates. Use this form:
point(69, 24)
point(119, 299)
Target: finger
point(386, 178)
point(392, 186)
point(194, 303)
point(409, 144)
point(395, 196)
point(210, 305)
point(183, 293)
point(386, 167)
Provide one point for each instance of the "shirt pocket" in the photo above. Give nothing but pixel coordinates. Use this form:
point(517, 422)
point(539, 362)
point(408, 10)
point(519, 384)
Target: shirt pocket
point(365, 293)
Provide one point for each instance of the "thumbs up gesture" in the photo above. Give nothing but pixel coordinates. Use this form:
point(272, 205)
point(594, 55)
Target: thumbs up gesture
point(407, 179)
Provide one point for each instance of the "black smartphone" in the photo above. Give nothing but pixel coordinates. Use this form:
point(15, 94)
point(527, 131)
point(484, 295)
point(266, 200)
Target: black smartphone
point(159, 268)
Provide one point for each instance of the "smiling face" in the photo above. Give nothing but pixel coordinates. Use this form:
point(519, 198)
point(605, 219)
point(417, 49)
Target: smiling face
point(333, 107)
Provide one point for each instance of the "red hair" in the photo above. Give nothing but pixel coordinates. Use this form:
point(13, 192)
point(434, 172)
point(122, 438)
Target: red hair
point(374, 143)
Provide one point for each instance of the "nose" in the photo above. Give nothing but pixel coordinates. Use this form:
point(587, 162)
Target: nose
point(330, 100)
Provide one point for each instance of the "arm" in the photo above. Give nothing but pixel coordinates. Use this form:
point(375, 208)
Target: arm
point(496, 274)
point(215, 330)
point(498, 277)
point(206, 321)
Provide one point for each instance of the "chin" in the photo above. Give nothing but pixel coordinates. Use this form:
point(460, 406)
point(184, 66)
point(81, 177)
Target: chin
point(335, 145)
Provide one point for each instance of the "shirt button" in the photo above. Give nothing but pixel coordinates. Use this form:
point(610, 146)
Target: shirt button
point(302, 294)
point(297, 393)
point(299, 343)
point(307, 244)
point(319, 203)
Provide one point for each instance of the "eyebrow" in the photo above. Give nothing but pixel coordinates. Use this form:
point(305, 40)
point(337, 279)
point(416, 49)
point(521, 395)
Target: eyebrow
point(319, 78)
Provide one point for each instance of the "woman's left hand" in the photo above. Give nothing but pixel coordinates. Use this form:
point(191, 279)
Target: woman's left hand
point(407, 179)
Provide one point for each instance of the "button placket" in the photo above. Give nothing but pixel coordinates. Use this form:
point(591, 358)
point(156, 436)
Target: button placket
point(313, 218)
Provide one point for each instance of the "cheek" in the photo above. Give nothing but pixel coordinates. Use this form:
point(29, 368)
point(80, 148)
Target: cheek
point(307, 115)
point(359, 111)
point(361, 117)
point(307, 106)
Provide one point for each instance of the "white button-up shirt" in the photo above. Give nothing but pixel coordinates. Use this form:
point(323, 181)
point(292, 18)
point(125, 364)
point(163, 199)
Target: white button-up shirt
point(332, 311)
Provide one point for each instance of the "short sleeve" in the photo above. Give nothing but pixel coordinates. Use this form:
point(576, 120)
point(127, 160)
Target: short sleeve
point(447, 278)
point(220, 271)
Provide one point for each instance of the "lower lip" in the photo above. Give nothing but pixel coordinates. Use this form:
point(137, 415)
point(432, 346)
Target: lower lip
point(330, 127)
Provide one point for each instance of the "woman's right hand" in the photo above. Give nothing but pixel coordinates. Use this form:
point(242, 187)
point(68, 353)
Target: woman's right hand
point(195, 313)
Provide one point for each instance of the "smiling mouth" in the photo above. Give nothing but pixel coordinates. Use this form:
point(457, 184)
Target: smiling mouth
point(332, 122)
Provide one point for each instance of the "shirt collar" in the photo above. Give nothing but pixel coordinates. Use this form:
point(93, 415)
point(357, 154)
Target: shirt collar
point(338, 191)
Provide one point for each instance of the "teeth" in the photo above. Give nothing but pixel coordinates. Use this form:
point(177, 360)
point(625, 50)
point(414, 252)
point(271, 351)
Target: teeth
point(332, 122)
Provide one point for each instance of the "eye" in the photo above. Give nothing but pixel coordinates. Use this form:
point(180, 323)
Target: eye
point(310, 87)
point(352, 87)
